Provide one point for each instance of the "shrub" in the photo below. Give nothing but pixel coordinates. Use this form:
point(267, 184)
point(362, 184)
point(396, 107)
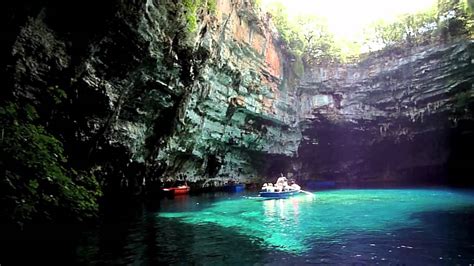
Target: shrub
point(35, 182)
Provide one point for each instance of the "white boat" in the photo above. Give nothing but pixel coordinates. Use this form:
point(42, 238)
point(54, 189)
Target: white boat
point(281, 189)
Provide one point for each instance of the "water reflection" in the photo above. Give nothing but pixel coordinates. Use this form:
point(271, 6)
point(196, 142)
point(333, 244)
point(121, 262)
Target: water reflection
point(285, 209)
point(283, 222)
point(292, 225)
point(412, 227)
point(353, 226)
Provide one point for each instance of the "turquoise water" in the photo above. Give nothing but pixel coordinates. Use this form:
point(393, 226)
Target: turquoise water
point(361, 227)
point(294, 225)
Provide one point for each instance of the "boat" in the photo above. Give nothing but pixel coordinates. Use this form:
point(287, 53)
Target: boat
point(280, 190)
point(234, 187)
point(219, 184)
point(279, 195)
point(178, 188)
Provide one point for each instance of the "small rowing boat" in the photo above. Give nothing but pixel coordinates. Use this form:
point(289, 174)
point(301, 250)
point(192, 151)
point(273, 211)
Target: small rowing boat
point(279, 195)
point(179, 188)
point(280, 190)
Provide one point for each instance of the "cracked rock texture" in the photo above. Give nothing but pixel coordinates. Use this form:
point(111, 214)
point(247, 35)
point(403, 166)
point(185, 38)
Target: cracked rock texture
point(143, 98)
point(136, 97)
point(402, 118)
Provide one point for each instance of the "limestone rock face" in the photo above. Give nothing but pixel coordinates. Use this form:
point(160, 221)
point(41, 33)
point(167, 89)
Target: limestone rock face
point(390, 119)
point(240, 107)
point(135, 95)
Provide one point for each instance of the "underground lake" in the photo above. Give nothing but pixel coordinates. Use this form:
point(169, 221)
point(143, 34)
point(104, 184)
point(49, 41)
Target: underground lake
point(237, 132)
point(355, 226)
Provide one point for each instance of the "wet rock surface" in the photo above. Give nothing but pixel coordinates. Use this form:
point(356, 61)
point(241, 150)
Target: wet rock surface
point(394, 118)
point(135, 96)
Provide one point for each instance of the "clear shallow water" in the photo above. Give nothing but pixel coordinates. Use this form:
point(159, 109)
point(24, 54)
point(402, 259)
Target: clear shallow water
point(292, 225)
point(406, 226)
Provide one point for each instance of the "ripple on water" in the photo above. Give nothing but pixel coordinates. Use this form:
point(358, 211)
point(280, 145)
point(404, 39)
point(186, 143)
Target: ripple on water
point(293, 225)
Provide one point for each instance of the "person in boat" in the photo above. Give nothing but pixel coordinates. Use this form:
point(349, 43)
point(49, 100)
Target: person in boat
point(264, 187)
point(270, 187)
point(293, 185)
point(282, 183)
point(278, 187)
point(180, 184)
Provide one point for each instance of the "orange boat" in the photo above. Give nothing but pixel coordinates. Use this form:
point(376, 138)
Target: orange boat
point(178, 188)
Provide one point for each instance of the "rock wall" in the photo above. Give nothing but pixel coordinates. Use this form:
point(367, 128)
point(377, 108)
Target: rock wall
point(135, 95)
point(396, 118)
point(240, 107)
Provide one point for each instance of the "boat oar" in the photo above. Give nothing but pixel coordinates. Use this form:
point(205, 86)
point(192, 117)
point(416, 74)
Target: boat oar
point(307, 192)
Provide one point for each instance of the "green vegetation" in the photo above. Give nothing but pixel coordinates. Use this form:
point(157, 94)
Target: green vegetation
point(310, 41)
point(212, 5)
point(309, 38)
point(410, 30)
point(450, 19)
point(289, 31)
point(306, 37)
point(36, 184)
point(462, 101)
point(192, 7)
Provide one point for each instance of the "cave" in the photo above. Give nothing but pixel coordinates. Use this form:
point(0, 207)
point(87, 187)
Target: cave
point(102, 103)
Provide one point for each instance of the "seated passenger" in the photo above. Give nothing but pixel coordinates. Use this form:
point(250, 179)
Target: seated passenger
point(278, 188)
point(282, 180)
point(295, 187)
